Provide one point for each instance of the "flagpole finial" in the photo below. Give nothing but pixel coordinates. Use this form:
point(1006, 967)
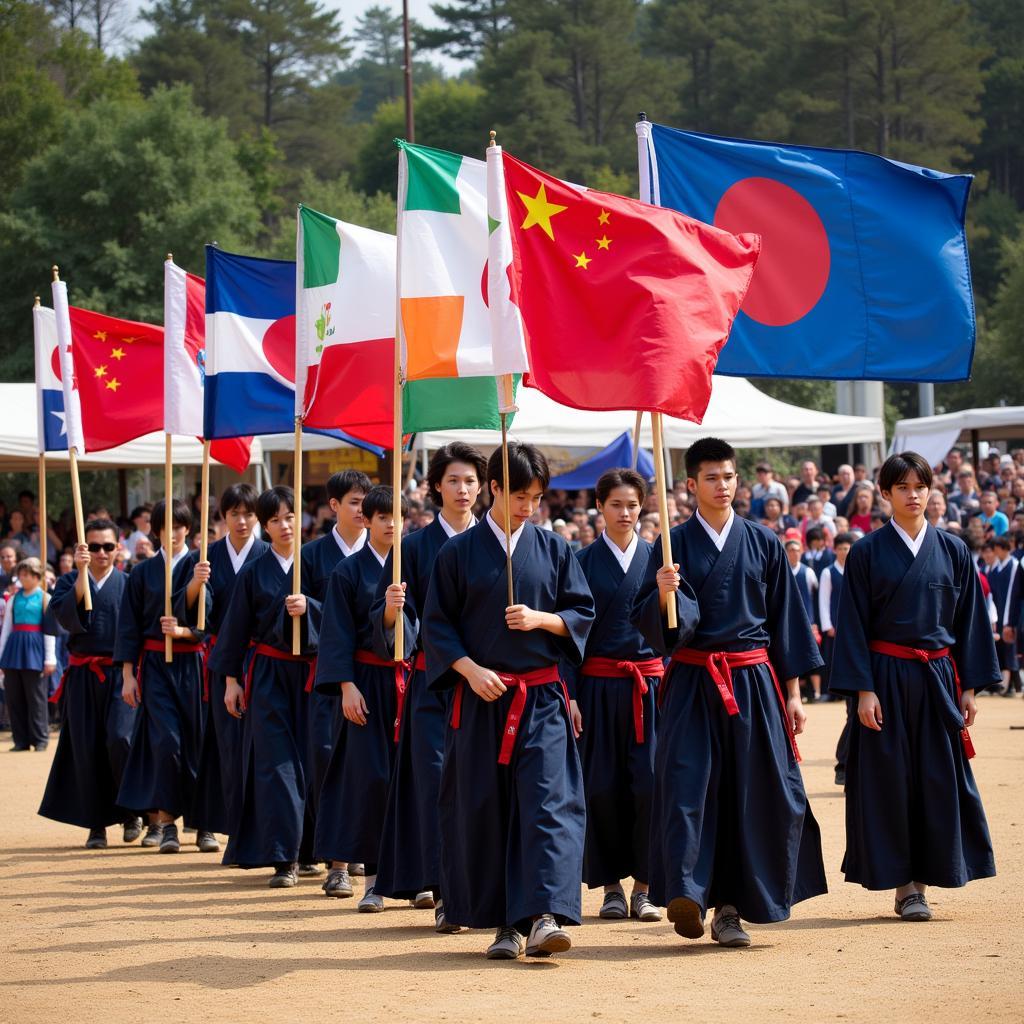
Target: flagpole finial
point(170, 257)
point(492, 135)
point(642, 116)
point(56, 272)
point(35, 304)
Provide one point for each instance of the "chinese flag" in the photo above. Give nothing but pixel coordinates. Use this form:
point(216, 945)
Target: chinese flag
point(624, 305)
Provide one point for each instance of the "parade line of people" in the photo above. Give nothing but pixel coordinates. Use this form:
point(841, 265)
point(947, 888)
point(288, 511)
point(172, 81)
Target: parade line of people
point(525, 749)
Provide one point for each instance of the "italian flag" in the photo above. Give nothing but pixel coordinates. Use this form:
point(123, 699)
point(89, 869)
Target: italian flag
point(444, 321)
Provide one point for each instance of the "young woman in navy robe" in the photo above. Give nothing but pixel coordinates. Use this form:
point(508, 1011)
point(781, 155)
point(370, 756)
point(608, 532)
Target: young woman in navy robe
point(270, 687)
point(372, 688)
point(1006, 581)
point(613, 696)
point(830, 591)
point(220, 762)
point(913, 643)
point(409, 865)
point(511, 802)
point(160, 774)
point(97, 724)
point(731, 827)
point(345, 493)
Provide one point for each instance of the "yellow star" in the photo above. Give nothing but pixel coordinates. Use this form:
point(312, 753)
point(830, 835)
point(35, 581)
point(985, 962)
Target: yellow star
point(100, 371)
point(604, 242)
point(603, 217)
point(100, 335)
point(113, 384)
point(582, 260)
point(117, 353)
point(540, 211)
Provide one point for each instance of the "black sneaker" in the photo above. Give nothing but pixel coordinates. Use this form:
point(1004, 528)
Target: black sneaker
point(840, 776)
point(338, 883)
point(153, 833)
point(207, 842)
point(169, 842)
point(285, 877)
point(132, 830)
point(310, 871)
point(97, 839)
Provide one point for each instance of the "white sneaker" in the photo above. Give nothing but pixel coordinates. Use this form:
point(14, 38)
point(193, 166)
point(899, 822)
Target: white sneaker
point(508, 944)
point(726, 929)
point(546, 937)
point(424, 900)
point(371, 903)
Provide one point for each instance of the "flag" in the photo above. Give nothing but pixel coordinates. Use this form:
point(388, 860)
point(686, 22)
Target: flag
point(250, 348)
point(185, 365)
point(864, 273)
point(623, 305)
point(72, 399)
point(118, 376)
point(345, 327)
point(442, 282)
point(51, 430)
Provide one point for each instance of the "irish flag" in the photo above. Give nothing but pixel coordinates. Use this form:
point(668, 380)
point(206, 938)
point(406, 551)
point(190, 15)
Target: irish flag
point(442, 287)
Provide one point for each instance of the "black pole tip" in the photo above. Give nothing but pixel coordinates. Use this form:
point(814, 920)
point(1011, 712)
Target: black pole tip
point(642, 116)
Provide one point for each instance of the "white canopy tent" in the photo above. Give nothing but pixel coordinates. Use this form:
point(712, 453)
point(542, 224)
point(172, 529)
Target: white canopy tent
point(933, 436)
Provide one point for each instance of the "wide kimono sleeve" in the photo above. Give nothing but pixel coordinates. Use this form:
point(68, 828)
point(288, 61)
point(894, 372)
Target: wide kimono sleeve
point(130, 624)
point(67, 611)
point(851, 657)
point(384, 638)
point(237, 628)
point(975, 650)
point(335, 663)
point(646, 614)
point(442, 613)
point(574, 606)
point(189, 615)
point(792, 647)
point(310, 623)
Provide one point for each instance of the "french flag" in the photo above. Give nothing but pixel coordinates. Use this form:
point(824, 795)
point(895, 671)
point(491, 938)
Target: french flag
point(51, 427)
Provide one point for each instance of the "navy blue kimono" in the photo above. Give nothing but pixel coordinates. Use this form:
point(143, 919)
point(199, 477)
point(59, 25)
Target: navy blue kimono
point(828, 645)
point(618, 771)
point(512, 835)
point(275, 813)
point(97, 724)
point(410, 848)
point(730, 822)
point(354, 791)
point(1007, 582)
point(913, 810)
point(160, 773)
point(818, 565)
point(220, 761)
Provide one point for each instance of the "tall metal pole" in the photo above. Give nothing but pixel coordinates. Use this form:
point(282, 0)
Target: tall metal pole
point(410, 121)
point(925, 399)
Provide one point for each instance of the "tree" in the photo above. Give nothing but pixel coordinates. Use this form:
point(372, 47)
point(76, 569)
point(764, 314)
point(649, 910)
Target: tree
point(470, 29)
point(106, 20)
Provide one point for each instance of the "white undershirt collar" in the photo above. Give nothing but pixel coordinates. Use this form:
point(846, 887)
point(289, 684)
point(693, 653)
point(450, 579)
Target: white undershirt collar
point(98, 583)
point(345, 549)
point(718, 539)
point(624, 558)
point(285, 563)
point(238, 557)
point(914, 543)
point(500, 533)
point(450, 530)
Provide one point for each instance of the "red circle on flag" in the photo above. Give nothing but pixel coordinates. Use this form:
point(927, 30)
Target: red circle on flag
point(792, 270)
point(55, 361)
point(279, 347)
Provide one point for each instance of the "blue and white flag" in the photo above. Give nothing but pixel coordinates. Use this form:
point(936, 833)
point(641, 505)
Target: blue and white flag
point(52, 431)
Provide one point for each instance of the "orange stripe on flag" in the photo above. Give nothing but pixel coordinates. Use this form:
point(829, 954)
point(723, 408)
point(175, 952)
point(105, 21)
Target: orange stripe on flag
point(432, 328)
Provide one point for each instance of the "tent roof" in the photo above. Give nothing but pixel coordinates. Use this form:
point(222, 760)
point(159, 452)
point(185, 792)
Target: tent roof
point(738, 413)
point(618, 453)
point(933, 436)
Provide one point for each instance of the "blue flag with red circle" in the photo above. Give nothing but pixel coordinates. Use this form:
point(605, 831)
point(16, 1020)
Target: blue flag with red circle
point(864, 273)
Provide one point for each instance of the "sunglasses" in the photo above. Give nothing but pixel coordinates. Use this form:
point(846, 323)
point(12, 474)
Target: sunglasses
point(95, 549)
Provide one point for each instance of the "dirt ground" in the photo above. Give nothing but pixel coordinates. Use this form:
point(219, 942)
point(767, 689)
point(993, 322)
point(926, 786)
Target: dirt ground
point(127, 934)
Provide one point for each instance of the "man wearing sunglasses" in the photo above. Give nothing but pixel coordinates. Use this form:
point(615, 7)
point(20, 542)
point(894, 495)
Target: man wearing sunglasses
point(97, 724)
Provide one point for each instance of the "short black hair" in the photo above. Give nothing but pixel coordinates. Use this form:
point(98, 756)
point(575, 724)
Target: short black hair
point(97, 525)
point(26, 494)
point(526, 463)
point(269, 503)
point(181, 515)
point(379, 501)
point(897, 468)
point(339, 484)
point(620, 478)
point(1003, 541)
point(815, 533)
point(843, 538)
point(708, 449)
point(139, 510)
point(456, 451)
point(239, 496)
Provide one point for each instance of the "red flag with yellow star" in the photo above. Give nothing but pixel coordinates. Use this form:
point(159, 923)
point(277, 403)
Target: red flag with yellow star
point(624, 305)
point(119, 373)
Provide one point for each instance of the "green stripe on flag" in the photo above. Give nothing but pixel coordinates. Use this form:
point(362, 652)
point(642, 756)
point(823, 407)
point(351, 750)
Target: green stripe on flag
point(451, 403)
point(321, 249)
point(430, 179)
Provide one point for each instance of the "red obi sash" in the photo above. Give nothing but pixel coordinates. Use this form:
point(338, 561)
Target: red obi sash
point(400, 669)
point(638, 671)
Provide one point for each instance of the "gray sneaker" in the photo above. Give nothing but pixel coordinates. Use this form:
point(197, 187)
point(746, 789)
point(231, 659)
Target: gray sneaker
point(132, 830)
point(371, 903)
point(97, 839)
point(441, 923)
point(153, 833)
point(169, 842)
point(642, 909)
point(726, 929)
point(913, 908)
point(338, 883)
point(310, 871)
point(687, 917)
point(207, 842)
point(284, 877)
point(614, 906)
point(508, 944)
point(546, 937)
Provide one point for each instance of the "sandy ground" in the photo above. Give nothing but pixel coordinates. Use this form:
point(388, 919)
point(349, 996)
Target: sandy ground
point(124, 933)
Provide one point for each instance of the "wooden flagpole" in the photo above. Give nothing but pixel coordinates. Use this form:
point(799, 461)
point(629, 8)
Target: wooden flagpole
point(204, 531)
point(169, 544)
point(659, 483)
point(297, 536)
point(76, 491)
point(636, 438)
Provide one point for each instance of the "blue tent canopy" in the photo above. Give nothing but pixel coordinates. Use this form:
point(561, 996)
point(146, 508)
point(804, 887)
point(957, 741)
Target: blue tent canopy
point(618, 455)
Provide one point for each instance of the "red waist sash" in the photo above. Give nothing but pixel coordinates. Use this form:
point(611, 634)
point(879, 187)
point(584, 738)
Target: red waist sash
point(521, 681)
point(638, 671)
point(153, 646)
point(24, 627)
point(96, 663)
point(920, 654)
point(420, 664)
point(719, 665)
point(211, 642)
point(400, 669)
point(266, 651)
